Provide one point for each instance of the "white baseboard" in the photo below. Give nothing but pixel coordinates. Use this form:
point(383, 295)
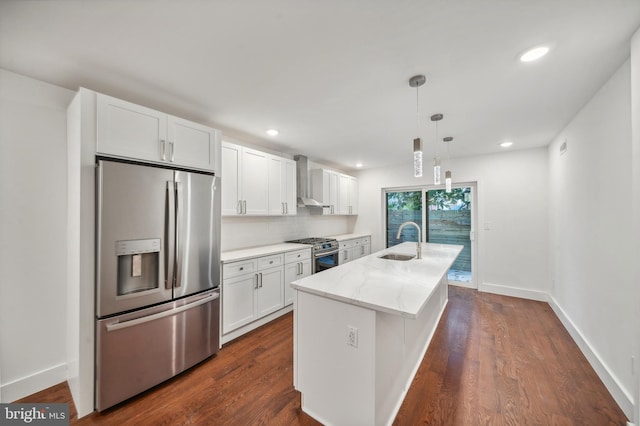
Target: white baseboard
point(624, 400)
point(522, 293)
point(34, 383)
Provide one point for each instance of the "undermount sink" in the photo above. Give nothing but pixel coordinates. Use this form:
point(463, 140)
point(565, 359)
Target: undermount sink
point(396, 256)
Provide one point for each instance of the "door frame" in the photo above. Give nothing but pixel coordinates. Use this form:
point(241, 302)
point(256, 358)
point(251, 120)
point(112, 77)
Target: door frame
point(475, 199)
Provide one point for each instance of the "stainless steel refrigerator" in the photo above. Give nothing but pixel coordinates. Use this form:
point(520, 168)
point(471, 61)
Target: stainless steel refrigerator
point(157, 275)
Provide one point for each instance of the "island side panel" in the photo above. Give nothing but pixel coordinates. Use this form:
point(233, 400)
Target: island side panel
point(336, 380)
point(390, 374)
point(418, 332)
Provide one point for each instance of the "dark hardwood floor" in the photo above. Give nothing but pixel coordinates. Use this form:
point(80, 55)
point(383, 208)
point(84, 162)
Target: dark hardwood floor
point(494, 360)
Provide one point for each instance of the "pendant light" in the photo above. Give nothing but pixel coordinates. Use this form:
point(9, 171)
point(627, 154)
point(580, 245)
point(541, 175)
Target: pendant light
point(447, 174)
point(436, 160)
point(417, 81)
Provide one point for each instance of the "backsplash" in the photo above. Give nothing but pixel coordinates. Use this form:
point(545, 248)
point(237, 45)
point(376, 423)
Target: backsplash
point(248, 231)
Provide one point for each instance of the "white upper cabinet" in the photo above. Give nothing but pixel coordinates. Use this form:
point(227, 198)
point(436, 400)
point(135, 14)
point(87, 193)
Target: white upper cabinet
point(231, 157)
point(191, 143)
point(337, 190)
point(132, 131)
point(324, 188)
point(352, 196)
point(255, 183)
point(244, 181)
point(282, 186)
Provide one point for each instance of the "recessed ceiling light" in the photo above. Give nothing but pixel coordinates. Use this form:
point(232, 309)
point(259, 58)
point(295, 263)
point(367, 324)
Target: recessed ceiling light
point(359, 165)
point(273, 132)
point(534, 53)
point(506, 144)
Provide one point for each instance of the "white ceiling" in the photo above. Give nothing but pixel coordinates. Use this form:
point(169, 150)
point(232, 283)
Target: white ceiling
point(333, 75)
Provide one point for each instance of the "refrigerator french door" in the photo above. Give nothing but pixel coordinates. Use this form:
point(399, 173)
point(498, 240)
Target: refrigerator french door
point(157, 304)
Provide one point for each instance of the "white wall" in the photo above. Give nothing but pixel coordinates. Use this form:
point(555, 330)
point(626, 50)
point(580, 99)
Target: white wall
point(33, 164)
point(239, 232)
point(591, 246)
point(512, 198)
point(635, 138)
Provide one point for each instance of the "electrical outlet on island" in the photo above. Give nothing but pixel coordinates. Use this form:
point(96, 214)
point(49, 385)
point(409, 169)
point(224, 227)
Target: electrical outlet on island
point(352, 336)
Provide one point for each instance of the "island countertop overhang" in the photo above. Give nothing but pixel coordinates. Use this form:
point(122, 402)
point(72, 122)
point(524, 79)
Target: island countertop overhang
point(396, 287)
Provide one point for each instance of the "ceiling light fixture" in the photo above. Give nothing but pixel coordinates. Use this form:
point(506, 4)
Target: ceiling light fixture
point(273, 132)
point(359, 165)
point(417, 81)
point(436, 159)
point(534, 54)
point(447, 174)
point(506, 144)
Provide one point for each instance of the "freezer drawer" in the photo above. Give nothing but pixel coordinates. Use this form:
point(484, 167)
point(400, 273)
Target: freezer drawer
point(139, 350)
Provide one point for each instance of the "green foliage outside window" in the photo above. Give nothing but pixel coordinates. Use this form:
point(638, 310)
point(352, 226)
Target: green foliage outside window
point(404, 200)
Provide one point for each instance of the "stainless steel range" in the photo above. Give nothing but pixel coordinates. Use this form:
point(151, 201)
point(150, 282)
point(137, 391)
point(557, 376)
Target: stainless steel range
point(324, 251)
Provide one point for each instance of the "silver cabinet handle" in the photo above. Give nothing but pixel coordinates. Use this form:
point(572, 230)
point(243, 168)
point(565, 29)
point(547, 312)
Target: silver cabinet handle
point(244, 206)
point(257, 282)
point(163, 144)
point(172, 146)
point(239, 207)
point(286, 208)
point(260, 279)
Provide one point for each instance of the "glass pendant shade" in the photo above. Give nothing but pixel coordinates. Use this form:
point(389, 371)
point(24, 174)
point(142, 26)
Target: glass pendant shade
point(417, 157)
point(436, 170)
point(447, 181)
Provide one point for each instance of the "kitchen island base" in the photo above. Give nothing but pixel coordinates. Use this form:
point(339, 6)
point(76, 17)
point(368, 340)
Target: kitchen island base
point(354, 365)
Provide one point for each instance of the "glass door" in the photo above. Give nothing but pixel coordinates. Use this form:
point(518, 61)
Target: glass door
point(443, 218)
point(403, 206)
point(448, 219)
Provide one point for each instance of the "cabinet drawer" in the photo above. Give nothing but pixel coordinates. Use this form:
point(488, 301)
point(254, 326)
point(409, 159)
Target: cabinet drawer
point(270, 261)
point(361, 241)
point(241, 267)
point(346, 244)
point(297, 256)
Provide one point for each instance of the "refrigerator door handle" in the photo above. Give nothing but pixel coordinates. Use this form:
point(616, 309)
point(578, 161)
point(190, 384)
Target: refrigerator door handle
point(169, 235)
point(179, 232)
point(142, 320)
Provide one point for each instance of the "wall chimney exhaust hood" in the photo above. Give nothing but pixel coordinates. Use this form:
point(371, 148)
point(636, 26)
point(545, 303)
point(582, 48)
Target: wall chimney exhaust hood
point(304, 183)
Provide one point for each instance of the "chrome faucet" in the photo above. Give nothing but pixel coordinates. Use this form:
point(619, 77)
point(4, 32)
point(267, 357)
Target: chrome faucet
point(418, 247)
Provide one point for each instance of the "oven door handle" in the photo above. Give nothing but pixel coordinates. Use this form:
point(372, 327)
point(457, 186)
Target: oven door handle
point(326, 253)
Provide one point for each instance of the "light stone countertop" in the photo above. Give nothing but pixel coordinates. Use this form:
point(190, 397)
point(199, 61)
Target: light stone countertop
point(257, 251)
point(396, 287)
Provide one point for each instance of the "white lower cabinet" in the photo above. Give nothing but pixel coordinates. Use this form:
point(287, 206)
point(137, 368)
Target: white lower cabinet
point(354, 249)
point(257, 290)
point(251, 289)
point(297, 265)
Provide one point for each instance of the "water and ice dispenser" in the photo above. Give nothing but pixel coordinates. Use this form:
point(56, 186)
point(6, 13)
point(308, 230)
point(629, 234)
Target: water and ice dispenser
point(138, 265)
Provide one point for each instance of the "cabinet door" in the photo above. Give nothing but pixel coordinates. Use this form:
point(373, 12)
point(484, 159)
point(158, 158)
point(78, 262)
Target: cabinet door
point(238, 301)
point(353, 195)
point(290, 187)
point(231, 174)
point(270, 291)
point(191, 144)
point(276, 186)
point(291, 273)
point(131, 131)
point(344, 256)
point(255, 182)
point(343, 194)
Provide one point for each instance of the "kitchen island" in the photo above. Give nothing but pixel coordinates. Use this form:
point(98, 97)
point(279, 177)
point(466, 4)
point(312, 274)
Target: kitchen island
point(362, 329)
